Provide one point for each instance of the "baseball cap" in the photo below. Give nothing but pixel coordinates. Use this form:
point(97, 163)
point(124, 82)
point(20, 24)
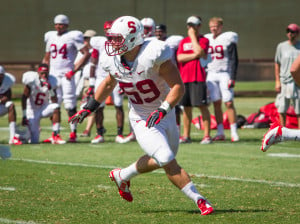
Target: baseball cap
point(61, 19)
point(2, 70)
point(89, 33)
point(293, 27)
point(193, 20)
point(161, 27)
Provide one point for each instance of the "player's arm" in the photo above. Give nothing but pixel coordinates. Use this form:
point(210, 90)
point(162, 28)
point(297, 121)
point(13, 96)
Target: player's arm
point(103, 91)
point(46, 58)
point(169, 72)
point(85, 57)
point(233, 63)
point(295, 70)
point(25, 95)
point(5, 96)
point(277, 78)
point(53, 96)
point(93, 66)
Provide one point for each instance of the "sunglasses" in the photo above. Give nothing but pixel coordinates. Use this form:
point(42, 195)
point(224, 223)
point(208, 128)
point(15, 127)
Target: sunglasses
point(291, 31)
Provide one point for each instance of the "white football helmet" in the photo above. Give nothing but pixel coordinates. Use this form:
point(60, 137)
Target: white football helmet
point(125, 33)
point(149, 27)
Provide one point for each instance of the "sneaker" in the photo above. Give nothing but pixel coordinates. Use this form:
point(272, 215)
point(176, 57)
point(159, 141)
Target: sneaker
point(15, 141)
point(184, 140)
point(85, 133)
point(206, 140)
point(119, 139)
point(122, 185)
point(235, 138)
point(205, 207)
point(58, 140)
point(129, 138)
point(48, 140)
point(273, 136)
point(196, 122)
point(219, 138)
point(98, 139)
point(73, 137)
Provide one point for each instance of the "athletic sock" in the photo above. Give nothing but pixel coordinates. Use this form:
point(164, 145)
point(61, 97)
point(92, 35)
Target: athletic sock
point(129, 172)
point(190, 191)
point(12, 129)
point(290, 134)
point(233, 129)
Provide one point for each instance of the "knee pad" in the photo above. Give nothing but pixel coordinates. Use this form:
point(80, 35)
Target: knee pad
point(71, 112)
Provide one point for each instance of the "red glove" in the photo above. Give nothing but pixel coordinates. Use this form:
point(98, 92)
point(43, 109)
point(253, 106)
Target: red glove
point(79, 116)
point(231, 83)
point(47, 84)
point(155, 117)
point(90, 91)
point(69, 74)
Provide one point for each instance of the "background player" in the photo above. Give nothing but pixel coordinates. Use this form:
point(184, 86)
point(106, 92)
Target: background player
point(62, 46)
point(38, 91)
point(7, 80)
point(221, 75)
point(97, 75)
point(153, 85)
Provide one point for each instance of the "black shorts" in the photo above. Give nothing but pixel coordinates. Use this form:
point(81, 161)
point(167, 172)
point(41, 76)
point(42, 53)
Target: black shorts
point(195, 94)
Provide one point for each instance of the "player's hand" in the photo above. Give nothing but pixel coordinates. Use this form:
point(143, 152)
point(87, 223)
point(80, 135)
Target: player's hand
point(155, 117)
point(231, 84)
point(79, 116)
point(69, 74)
point(90, 91)
point(24, 121)
point(47, 84)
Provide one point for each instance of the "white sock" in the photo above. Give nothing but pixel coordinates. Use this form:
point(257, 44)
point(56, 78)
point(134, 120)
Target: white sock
point(55, 127)
point(73, 127)
point(220, 129)
point(190, 191)
point(233, 128)
point(290, 134)
point(129, 172)
point(12, 129)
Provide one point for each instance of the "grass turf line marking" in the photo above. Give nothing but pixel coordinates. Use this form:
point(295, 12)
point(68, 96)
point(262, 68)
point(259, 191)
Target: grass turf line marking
point(7, 188)
point(283, 155)
point(272, 183)
point(2, 220)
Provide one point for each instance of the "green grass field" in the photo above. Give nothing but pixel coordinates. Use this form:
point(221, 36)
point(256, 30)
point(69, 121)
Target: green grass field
point(69, 183)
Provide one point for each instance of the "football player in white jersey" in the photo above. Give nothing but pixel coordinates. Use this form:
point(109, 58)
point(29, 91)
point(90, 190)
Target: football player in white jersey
point(40, 88)
point(149, 28)
point(7, 80)
point(97, 75)
point(153, 85)
point(221, 74)
point(62, 46)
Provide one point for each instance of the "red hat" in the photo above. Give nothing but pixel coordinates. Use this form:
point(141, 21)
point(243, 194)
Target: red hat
point(107, 24)
point(293, 27)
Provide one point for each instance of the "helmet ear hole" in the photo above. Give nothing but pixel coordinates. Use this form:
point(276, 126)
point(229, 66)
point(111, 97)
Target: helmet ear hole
point(132, 39)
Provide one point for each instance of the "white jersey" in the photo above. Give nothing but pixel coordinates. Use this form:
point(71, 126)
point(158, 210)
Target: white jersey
point(39, 95)
point(8, 81)
point(173, 42)
point(145, 89)
point(98, 43)
point(63, 50)
point(218, 51)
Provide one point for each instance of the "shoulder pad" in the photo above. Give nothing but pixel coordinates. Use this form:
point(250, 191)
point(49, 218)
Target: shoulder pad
point(29, 77)
point(97, 42)
point(48, 35)
point(174, 40)
point(231, 36)
point(76, 35)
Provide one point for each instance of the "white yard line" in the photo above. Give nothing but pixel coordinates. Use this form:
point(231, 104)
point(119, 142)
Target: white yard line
point(7, 188)
point(272, 183)
point(2, 220)
point(284, 155)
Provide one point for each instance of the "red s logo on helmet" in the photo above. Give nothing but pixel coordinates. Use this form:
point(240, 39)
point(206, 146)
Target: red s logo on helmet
point(131, 25)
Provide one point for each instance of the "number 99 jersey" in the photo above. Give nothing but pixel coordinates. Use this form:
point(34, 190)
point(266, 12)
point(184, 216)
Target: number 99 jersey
point(218, 51)
point(141, 82)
